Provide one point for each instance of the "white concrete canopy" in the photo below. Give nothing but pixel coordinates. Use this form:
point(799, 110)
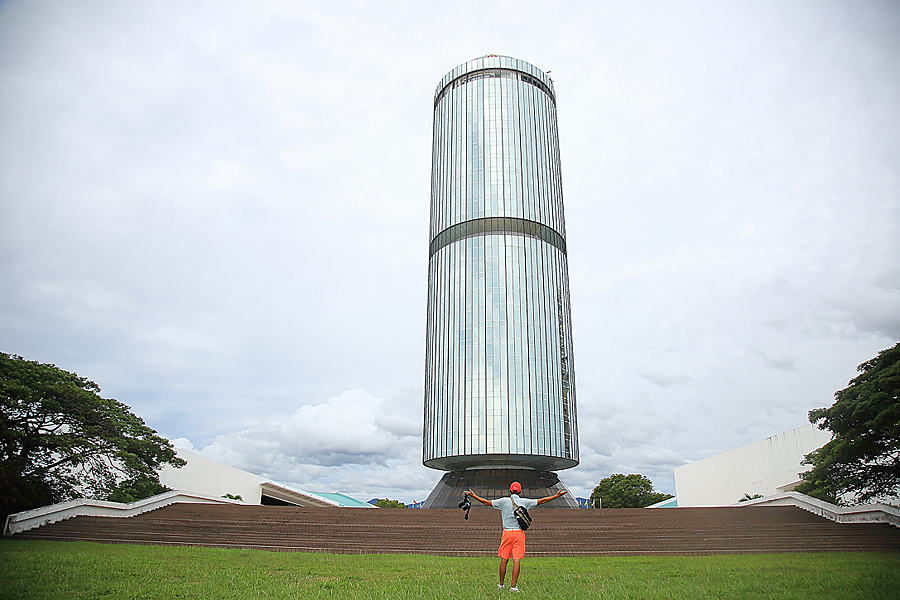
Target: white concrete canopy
point(767, 467)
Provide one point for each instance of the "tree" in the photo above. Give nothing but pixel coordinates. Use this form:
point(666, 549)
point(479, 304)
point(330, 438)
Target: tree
point(748, 497)
point(862, 461)
point(59, 440)
point(139, 487)
point(626, 491)
point(387, 503)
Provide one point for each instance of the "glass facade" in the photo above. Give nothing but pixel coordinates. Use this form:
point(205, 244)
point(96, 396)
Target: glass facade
point(499, 376)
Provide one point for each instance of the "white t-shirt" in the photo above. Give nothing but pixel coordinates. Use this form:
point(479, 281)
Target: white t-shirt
point(506, 508)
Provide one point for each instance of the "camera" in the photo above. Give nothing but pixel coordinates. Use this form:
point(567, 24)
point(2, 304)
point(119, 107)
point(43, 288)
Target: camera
point(465, 504)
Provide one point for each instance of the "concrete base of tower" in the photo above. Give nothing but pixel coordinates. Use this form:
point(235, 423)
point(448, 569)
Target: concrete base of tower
point(494, 483)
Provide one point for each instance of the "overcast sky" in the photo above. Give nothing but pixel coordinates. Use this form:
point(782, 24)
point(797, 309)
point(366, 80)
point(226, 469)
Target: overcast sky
point(218, 211)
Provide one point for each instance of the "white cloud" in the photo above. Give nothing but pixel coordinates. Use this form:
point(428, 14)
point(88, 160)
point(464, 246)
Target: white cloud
point(354, 441)
point(352, 428)
point(183, 444)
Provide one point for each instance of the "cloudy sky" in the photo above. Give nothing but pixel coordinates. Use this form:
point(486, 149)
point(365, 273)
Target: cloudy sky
point(218, 211)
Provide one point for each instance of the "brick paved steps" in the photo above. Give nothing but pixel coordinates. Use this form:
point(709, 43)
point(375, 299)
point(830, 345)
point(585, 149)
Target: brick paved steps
point(445, 532)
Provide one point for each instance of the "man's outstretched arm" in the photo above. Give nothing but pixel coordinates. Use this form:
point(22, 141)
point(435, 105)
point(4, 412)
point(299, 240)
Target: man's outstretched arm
point(479, 498)
point(553, 497)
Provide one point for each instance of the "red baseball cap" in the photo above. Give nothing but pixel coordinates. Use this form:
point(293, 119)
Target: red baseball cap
point(515, 487)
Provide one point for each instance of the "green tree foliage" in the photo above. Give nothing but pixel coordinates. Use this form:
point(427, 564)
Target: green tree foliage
point(136, 488)
point(862, 461)
point(386, 503)
point(748, 497)
point(626, 491)
point(59, 440)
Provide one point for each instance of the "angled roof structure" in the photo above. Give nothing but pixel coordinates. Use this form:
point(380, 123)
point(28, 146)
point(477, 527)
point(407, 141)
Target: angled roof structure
point(204, 476)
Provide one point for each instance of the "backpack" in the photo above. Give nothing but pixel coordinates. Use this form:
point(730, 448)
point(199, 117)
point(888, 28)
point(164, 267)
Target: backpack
point(521, 515)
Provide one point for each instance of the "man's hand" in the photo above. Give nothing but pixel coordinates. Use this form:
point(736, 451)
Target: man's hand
point(553, 497)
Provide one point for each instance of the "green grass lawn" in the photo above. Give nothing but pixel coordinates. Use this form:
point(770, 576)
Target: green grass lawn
point(38, 569)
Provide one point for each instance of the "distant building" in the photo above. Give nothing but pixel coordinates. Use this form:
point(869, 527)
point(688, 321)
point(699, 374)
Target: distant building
point(767, 467)
point(204, 476)
point(668, 503)
point(499, 367)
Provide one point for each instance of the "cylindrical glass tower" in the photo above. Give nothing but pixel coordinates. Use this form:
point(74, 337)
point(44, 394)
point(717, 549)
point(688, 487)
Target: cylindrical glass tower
point(499, 375)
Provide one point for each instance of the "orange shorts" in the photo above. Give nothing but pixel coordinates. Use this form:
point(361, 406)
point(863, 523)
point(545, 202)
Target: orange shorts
point(512, 544)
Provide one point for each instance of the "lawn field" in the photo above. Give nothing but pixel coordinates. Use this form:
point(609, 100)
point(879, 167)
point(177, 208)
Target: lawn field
point(42, 569)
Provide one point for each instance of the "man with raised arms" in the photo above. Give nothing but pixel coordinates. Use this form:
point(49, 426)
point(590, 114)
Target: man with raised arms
point(512, 543)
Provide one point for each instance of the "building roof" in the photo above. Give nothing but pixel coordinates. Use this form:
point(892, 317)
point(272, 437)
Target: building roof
point(670, 503)
point(292, 496)
point(342, 500)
